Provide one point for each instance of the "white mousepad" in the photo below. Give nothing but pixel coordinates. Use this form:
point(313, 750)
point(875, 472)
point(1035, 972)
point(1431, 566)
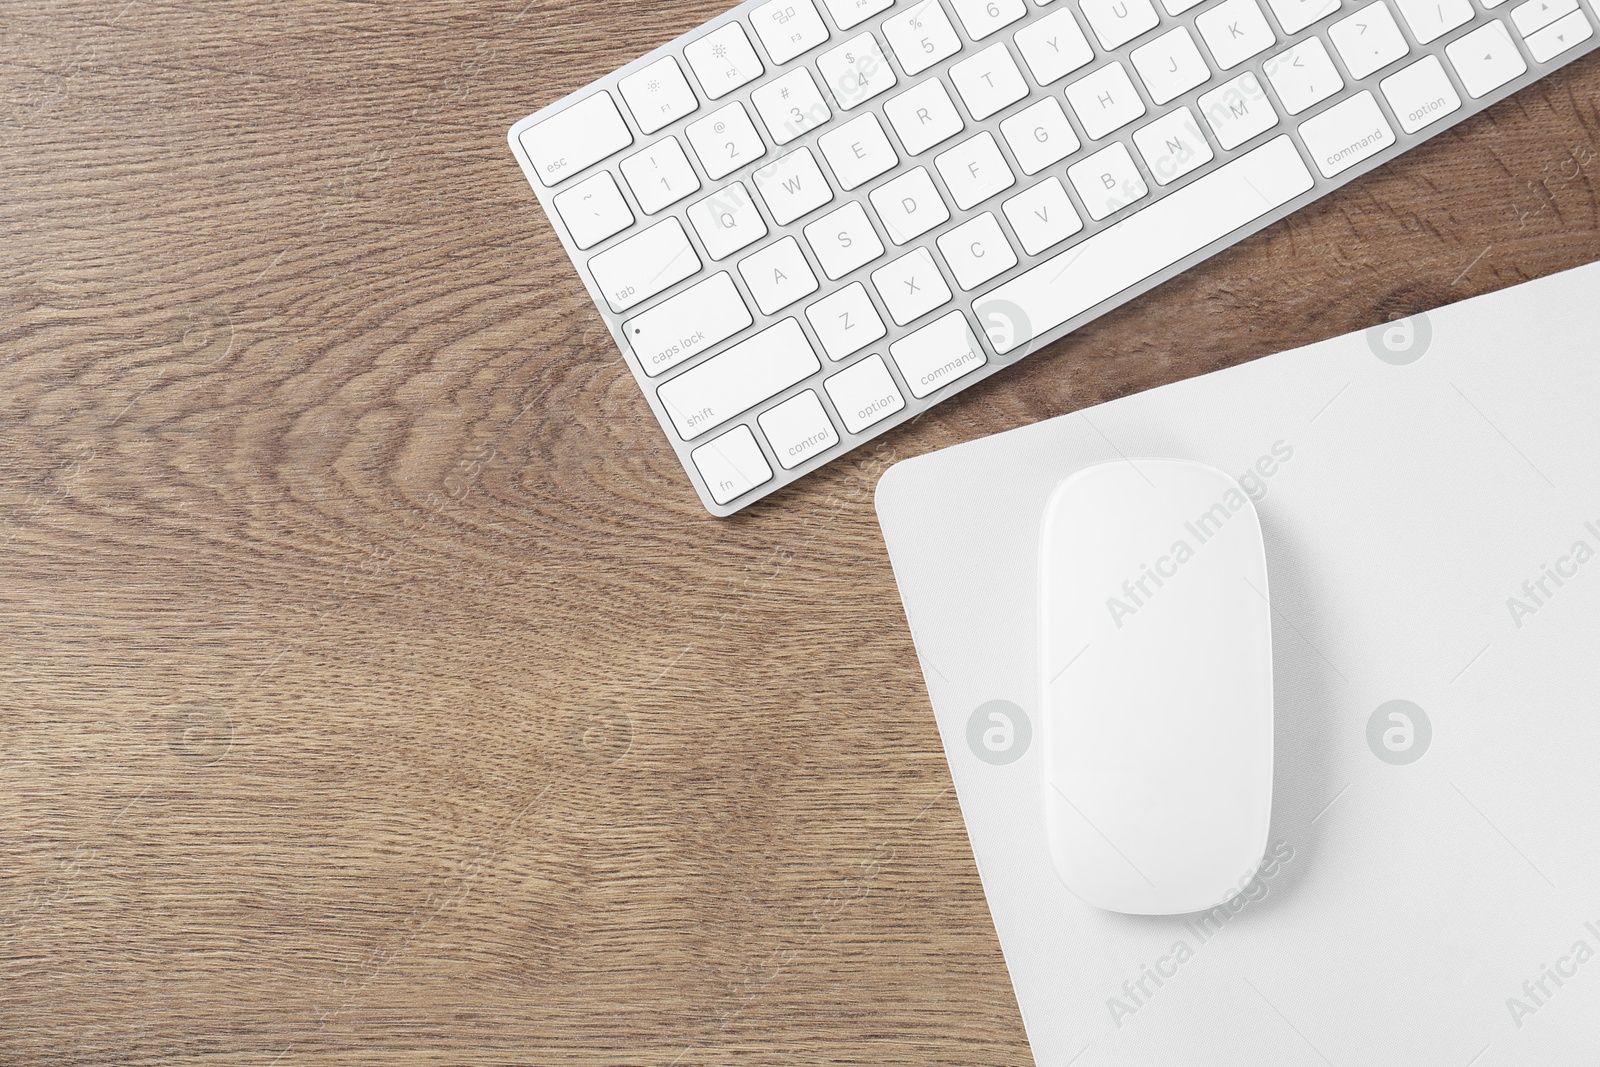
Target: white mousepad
point(1430, 502)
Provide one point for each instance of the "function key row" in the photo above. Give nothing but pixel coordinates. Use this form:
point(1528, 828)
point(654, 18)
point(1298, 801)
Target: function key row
point(853, 72)
point(857, 71)
point(1052, 47)
point(725, 60)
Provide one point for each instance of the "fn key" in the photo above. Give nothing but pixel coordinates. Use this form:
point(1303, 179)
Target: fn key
point(732, 464)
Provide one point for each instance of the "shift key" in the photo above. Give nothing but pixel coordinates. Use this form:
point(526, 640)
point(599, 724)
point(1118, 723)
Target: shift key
point(687, 324)
point(733, 382)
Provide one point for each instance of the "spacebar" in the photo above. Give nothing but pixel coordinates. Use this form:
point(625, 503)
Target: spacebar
point(1173, 227)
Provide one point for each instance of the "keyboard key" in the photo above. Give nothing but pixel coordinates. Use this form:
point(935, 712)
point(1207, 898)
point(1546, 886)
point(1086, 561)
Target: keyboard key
point(1296, 15)
point(1347, 133)
point(1042, 216)
point(790, 106)
point(788, 27)
point(778, 275)
point(660, 175)
point(725, 140)
point(723, 60)
point(571, 140)
point(1421, 94)
point(937, 354)
point(910, 286)
point(989, 81)
point(732, 464)
point(1054, 46)
point(686, 325)
point(733, 382)
point(858, 151)
point(1107, 181)
point(1116, 22)
point(643, 265)
point(983, 17)
point(977, 250)
point(594, 210)
point(1172, 146)
point(1485, 59)
point(1178, 225)
point(909, 206)
point(798, 429)
point(727, 221)
point(1170, 65)
point(848, 13)
point(922, 116)
point(843, 240)
point(921, 37)
point(1238, 111)
point(864, 394)
point(856, 71)
point(1431, 19)
point(1235, 30)
point(1105, 100)
point(792, 185)
point(1565, 33)
point(1039, 135)
point(974, 170)
point(658, 95)
point(1178, 7)
point(1533, 15)
point(1369, 40)
point(846, 322)
point(1303, 76)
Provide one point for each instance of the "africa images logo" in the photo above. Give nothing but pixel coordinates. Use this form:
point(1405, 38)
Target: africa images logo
point(1253, 888)
point(1537, 992)
point(1399, 732)
point(1538, 591)
point(1138, 591)
point(1402, 341)
point(998, 732)
point(1007, 326)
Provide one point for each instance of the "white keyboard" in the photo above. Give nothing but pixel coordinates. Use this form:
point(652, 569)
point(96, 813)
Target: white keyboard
point(805, 222)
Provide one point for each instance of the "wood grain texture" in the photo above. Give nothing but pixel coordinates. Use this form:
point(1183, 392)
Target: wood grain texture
point(375, 689)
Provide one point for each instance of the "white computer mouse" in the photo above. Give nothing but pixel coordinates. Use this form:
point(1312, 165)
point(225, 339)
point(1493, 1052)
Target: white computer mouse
point(1156, 652)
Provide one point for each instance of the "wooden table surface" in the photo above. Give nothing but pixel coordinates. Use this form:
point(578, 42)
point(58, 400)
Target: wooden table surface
point(375, 689)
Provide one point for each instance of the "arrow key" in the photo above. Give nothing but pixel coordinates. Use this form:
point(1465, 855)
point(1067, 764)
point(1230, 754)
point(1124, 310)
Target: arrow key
point(1486, 59)
point(1564, 33)
point(1535, 15)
